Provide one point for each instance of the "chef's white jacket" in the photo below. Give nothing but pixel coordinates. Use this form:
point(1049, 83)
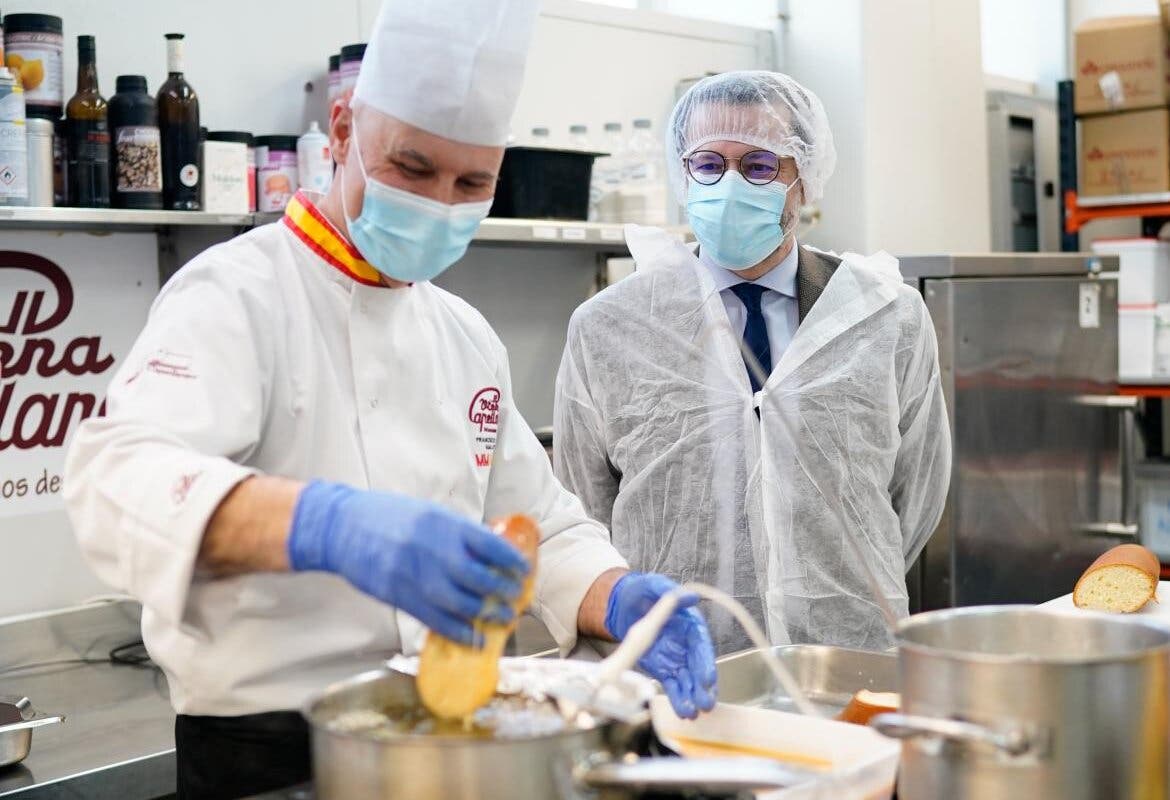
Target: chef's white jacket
point(261, 356)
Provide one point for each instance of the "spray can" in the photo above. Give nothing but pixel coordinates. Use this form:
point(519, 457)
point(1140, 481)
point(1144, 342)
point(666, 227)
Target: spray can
point(314, 162)
point(40, 161)
point(13, 142)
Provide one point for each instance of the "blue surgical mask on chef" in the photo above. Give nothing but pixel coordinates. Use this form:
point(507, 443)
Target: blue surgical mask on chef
point(408, 237)
point(736, 222)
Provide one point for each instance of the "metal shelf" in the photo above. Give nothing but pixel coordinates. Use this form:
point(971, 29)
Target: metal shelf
point(113, 218)
point(1124, 200)
point(593, 235)
point(1079, 211)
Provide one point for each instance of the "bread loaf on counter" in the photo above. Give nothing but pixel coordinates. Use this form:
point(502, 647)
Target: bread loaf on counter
point(453, 679)
point(1121, 581)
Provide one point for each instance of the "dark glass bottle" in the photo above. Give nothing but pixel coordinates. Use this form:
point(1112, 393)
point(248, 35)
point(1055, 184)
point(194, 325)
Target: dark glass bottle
point(178, 120)
point(88, 134)
point(135, 148)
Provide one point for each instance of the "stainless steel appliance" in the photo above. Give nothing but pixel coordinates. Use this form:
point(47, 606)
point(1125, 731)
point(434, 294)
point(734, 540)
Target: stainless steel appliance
point(1043, 445)
point(1017, 702)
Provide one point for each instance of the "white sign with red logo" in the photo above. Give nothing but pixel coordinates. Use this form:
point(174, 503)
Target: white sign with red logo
point(71, 306)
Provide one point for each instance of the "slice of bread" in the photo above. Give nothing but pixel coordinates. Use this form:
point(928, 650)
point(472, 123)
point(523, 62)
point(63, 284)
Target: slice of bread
point(1121, 581)
point(453, 679)
point(865, 705)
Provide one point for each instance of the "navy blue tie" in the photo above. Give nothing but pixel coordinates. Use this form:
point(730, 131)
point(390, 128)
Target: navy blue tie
point(755, 333)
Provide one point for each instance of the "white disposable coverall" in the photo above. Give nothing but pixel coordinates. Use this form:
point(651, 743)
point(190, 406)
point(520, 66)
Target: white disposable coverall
point(656, 431)
point(260, 357)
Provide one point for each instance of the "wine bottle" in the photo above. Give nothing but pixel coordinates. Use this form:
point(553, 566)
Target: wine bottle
point(88, 134)
point(178, 120)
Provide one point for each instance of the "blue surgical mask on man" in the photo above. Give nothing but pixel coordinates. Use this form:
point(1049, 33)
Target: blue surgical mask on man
point(736, 222)
point(408, 237)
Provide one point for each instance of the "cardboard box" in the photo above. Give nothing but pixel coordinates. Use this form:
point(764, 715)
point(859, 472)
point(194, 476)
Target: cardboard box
point(1122, 64)
point(1125, 153)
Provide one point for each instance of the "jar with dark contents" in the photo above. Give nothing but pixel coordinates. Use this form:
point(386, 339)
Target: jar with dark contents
point(136, 146)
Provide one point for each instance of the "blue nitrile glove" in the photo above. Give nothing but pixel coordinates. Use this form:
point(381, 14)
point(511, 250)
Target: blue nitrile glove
point(682, 658)
point(442, 569)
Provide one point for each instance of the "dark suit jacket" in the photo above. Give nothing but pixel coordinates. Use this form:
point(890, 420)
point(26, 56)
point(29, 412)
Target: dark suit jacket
point(813, 271)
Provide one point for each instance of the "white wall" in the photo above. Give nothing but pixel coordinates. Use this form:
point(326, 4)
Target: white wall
point(1026, 41)
point(823, 50)
point(902, 82)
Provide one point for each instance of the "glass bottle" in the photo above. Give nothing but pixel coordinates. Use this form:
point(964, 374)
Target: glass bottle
point(88, 134)
point(178, 121)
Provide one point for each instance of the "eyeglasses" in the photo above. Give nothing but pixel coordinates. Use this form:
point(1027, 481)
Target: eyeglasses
point(758, 166)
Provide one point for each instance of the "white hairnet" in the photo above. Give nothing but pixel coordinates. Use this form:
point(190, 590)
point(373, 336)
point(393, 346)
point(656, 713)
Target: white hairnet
point(768, 110)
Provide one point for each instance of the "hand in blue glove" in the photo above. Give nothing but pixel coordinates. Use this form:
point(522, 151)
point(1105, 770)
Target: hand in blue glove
point(442, 569)
point(682, 658)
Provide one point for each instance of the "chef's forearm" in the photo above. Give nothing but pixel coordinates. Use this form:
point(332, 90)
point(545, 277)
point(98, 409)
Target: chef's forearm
point(249, 530)
point(591, 615)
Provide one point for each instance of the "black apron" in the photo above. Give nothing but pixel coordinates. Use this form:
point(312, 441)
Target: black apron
point(225, 758)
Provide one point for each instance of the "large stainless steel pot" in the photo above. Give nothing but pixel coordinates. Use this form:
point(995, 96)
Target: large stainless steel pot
point(1013, 701)
point(577, 763)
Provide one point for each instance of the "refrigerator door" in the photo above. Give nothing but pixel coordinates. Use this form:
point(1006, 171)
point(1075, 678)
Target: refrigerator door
point(1029, 368)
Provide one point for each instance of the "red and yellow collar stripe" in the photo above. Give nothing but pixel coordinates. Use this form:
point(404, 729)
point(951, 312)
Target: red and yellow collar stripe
point(311, 227)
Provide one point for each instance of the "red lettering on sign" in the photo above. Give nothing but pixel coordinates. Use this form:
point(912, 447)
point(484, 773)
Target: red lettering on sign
point(43, 420)
point(483, 459)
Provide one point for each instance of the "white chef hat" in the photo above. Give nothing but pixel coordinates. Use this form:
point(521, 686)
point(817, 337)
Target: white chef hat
point(451, 67)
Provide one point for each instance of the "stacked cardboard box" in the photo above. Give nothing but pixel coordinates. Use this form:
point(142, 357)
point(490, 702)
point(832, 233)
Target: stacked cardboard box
point(1122, 90)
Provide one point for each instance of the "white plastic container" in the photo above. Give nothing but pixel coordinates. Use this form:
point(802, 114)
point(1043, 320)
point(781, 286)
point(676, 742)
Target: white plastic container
point(644, 192)
point(1145, 270)
point(1136, 334)
point(314, 161)
point(609, 172)
point(865, 763)
point(224, 187)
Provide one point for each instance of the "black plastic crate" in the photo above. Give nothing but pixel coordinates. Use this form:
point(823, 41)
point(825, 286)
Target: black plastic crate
point(544, 183)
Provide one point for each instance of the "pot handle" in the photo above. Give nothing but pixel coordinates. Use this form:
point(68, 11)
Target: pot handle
point(1012, 741)
point(707, 775)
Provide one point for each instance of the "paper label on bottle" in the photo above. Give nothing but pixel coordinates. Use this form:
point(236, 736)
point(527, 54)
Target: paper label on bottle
point(138, 150)
point(174, 55)
point(37, 59)
point(189, 175)
point(1090, 305)
point(13, 160)
point(276, 180)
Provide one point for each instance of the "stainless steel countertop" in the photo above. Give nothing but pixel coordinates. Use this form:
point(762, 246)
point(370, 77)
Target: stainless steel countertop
point(118, 738)
point(117, 742)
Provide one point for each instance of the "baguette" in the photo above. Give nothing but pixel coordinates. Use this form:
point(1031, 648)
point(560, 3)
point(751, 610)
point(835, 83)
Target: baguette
point(1121, 581)
point(454, 679)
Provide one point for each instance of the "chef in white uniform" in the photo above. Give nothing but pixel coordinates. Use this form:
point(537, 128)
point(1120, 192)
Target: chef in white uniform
point(302, 447)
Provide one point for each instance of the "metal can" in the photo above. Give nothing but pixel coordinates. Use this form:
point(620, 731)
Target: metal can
point(40, 162)
point(13, 142)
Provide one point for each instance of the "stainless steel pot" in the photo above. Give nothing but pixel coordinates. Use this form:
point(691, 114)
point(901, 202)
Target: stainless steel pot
point(582, 762)
point(1013, 701)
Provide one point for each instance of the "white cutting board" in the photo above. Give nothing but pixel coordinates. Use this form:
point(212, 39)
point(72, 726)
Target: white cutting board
point(1158, 613)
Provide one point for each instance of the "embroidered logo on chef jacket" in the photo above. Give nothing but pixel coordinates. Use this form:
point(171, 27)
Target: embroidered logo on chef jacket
point(183, 486)
point(165, 362)
point(484, 416)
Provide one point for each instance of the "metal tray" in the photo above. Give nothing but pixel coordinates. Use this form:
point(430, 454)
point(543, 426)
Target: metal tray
point(830, 676)
point(16, 731)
